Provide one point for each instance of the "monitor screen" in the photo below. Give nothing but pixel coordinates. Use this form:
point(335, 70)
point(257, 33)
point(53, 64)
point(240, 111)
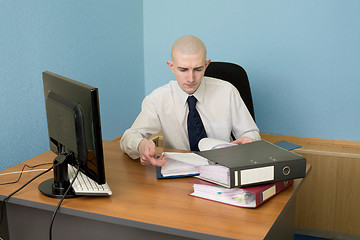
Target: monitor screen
point(73, 119)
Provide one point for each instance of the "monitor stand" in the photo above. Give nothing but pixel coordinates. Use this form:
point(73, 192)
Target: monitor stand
point(57, 186)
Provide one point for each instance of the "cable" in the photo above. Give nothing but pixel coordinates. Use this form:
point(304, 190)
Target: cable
point(19, 189)
point(61, 200)
point(7, 198)
point(16, 191)
point(22, 171)
point(26, 171)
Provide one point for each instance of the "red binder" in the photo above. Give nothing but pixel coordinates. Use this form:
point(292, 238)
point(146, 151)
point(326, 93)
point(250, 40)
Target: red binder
point(248, 197)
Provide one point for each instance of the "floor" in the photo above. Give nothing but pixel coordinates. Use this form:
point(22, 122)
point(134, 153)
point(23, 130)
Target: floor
point(304, 237)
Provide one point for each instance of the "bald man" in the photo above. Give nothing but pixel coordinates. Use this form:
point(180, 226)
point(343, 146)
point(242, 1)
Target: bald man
point(219, 105)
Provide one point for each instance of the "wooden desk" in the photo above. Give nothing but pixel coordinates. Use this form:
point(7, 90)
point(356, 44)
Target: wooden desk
point(142, 207)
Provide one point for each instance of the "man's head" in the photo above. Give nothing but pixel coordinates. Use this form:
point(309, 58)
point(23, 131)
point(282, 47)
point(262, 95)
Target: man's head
point(189, 62)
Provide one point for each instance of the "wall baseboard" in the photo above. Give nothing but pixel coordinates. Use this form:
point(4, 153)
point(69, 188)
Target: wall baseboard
point(325, 234)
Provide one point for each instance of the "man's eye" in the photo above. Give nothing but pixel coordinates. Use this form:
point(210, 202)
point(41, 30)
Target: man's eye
point(198, 69)
point(183, 69)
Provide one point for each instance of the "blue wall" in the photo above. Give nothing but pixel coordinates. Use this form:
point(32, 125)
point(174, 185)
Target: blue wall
point(302, 57)
point(96, 42)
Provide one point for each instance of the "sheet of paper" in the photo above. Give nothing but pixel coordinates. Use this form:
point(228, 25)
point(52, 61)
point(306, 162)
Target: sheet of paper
point(189, 158)
point(212, 143)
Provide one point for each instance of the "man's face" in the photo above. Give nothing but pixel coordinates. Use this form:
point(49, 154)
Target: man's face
point(189, 70)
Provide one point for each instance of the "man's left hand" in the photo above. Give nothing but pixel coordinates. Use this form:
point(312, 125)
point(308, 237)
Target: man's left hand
point(243, 140)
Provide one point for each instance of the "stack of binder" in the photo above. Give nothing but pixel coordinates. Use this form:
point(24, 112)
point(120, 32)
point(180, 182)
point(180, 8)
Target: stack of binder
point(261, 168)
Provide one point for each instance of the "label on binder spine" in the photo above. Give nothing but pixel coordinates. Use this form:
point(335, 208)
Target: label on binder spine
point(236, 178)
point(268, 193)
point(256, 175)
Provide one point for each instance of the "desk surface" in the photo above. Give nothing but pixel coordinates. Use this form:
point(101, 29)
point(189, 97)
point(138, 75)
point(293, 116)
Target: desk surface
point(141, 200)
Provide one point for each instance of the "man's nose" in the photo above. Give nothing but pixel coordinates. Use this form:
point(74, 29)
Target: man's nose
point(191, 75)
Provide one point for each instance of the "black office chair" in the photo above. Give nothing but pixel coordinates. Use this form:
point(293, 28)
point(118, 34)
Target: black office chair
point(237, 76)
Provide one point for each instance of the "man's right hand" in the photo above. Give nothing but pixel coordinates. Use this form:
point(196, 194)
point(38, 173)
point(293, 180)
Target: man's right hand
point(147, 153)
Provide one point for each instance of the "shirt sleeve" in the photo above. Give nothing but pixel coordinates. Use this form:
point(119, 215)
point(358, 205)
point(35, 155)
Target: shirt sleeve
point(146, 124)
point(242, 122)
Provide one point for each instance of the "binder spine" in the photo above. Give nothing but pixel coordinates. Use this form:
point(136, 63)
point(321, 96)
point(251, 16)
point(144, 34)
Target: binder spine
point(290, 170)
point(246, 177)
point(267, 174)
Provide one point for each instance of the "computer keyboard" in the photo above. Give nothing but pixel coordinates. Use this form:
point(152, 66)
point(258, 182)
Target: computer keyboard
point(84, 185)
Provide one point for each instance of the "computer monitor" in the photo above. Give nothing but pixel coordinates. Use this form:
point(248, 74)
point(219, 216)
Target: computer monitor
point(73, 119)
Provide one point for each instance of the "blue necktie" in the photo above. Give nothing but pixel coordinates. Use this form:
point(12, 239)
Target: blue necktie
point(196, 130)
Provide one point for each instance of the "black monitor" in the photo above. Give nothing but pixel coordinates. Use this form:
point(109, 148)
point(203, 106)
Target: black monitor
point(73, 119)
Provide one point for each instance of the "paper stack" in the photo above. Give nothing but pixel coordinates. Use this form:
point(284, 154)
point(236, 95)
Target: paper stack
point(249, 197)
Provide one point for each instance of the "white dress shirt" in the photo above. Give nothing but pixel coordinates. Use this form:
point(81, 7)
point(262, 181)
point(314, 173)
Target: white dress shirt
point(219, 104)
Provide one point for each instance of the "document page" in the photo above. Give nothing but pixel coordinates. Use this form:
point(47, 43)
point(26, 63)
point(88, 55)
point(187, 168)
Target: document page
point(182, 164)
point(212, 143)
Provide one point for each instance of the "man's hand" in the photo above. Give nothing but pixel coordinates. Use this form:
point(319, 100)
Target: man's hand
point(147, 153)
point(243, 140)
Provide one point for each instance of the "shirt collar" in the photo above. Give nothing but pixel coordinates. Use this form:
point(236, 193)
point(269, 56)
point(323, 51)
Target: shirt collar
point(199, 93)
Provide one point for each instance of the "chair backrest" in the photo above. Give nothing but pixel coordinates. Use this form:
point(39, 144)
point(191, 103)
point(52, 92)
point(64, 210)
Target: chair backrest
point(237, 76)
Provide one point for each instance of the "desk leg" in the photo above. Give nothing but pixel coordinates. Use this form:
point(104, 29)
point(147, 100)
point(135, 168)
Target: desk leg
point(283, 228)
point(4, 229)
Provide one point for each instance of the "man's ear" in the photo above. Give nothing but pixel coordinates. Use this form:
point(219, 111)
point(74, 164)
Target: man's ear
point(207, 62)
point(171, 65)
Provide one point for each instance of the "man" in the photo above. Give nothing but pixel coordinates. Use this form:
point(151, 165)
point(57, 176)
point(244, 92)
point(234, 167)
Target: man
point(166, 109)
